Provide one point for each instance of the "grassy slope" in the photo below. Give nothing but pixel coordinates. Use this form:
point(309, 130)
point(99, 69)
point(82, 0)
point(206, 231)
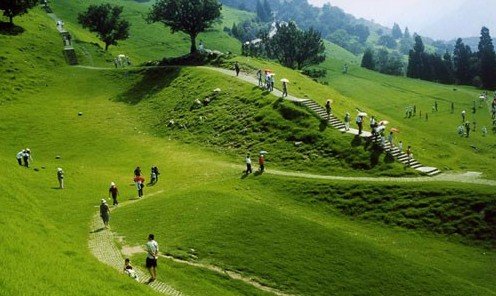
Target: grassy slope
point(105, 144)
point(434, 142)
point(245, 119)
point(147, 41)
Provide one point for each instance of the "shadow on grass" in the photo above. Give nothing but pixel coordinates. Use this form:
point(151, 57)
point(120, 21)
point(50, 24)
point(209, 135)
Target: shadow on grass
point(375, 154)
point(56, 188)
point(357, 141)
point(10, 29)
point(98, 230)
point(388, 158)
point(153, 80)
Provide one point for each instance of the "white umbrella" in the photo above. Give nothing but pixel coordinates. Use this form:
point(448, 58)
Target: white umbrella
point(362, 114)
point(263, 152)
point(285, 80)
point(384, 122)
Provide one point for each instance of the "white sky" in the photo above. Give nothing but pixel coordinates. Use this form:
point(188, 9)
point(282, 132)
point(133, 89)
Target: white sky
point(443, 19)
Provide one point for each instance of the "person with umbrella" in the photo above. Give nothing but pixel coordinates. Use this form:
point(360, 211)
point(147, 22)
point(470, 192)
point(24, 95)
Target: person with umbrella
point(261, 162)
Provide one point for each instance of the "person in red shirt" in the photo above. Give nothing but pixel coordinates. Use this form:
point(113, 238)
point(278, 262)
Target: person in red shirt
point(261, 163)
point(140, 184)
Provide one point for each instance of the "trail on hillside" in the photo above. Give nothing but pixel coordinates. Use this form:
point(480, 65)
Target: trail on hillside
point(102, 245)
point(467, 177)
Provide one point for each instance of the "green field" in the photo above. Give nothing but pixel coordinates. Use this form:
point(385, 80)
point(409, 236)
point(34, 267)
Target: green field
point(299, 236)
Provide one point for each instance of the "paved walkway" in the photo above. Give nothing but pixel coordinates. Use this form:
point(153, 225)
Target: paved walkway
point(102, 245)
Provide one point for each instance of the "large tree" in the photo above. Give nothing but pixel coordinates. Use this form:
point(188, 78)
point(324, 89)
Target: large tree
point(416, 61)
point(295, 48)
point(461, 62)
point(105, 20)
point(368, 59)
point(189, 16)
point(487, 60)
point(13, 8)
point(396, 32)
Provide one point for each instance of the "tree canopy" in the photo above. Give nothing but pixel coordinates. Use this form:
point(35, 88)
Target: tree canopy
point(105, 20)
point(487, 60)
point(13, 8)
point(295, 48)
point(189, 16)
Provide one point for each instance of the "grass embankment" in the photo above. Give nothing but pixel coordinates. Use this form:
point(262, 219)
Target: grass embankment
point(242, 118)
point(147, 41)
point(265, 228)
point(434, 141)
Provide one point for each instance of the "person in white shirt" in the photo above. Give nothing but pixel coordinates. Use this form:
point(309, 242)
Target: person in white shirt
point(151, 257)
point(248, 164)
point(19, 156)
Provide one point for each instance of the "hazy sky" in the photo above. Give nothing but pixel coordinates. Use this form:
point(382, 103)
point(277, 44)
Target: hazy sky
point(433, 18)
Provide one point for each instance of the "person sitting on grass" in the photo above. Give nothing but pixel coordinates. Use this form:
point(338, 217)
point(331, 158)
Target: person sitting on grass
point(129, 270)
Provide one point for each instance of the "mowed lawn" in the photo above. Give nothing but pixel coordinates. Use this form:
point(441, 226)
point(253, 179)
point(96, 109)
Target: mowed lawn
point(248, 225)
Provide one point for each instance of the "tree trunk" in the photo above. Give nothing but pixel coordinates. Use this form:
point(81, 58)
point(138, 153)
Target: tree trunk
point(11, 19)
point(193, 43)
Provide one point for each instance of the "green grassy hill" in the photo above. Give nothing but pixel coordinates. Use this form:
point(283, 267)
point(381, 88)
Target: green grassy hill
point(295, 235)
point(147, 41)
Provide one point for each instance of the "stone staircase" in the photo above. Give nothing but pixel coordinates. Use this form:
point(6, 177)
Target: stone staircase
point(70, 55)
point(394, 151)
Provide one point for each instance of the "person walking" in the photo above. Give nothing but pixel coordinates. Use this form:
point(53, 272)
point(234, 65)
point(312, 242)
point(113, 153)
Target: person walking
point(390, 139)
point(272, 82)
point(26, 157)
point(114, 193)
point(60, 177)
point(105, 213)
point(359, 122)
point(373, 126)
point(137, 171)
point(409, 154)
point(140, 184)
point(400, 146)
point(237, 68)
point(328, 108)
point(467, 129)
point(261, 163)
point(464, 113)
point(347, 121)
point(284, 89)
point(259, 76)
point(151, 257)
point(19, 156)
point(248, 164)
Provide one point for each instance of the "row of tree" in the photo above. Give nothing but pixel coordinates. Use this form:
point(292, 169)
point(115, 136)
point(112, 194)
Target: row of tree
point(463, 67)
point(383, 61)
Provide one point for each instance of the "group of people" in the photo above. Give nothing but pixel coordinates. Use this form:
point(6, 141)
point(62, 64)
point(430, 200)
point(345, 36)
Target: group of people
point(24, 157)
point(261, 164)
point(151, 245)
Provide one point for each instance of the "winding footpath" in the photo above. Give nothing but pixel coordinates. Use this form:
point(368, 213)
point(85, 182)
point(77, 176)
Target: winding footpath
point(102, 244)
